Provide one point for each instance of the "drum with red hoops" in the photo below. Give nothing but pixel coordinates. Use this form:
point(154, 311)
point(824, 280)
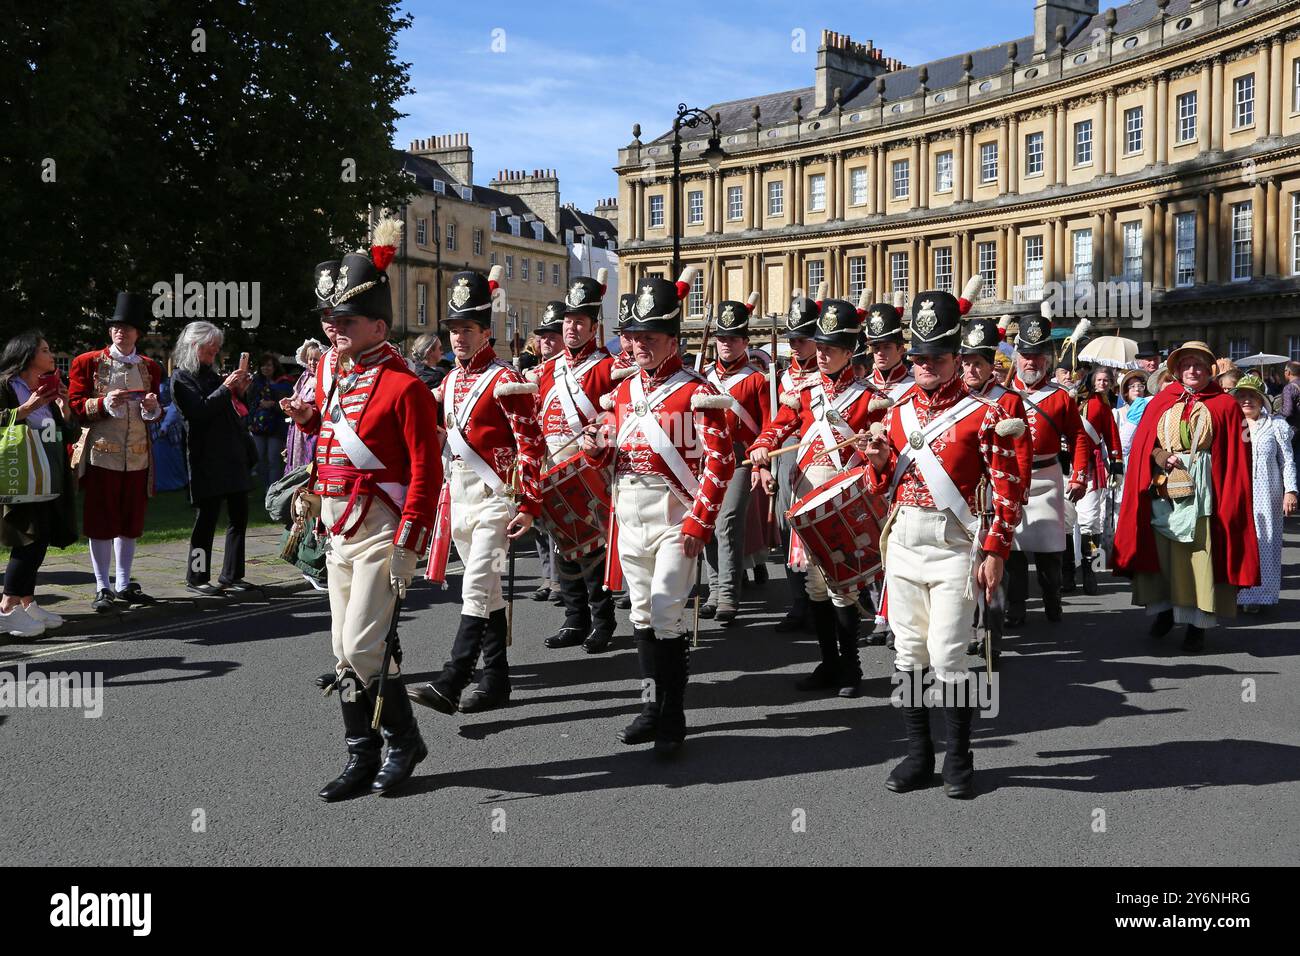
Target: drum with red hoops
point(839, 526)
point(575, 507)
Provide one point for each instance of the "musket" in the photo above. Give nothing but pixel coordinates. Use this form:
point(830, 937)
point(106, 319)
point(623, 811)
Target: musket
point(390, 642)
point(991, 612)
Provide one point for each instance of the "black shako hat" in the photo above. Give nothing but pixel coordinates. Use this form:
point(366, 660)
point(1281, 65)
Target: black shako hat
point(586, 294)
point(134, 309)
point(733, 316)
point(626, 302)
point(980, 336)
point(936, 323)
point(801, 323)
point(362, 286)
point(840, 324)
point(552, 318)
point(658, 304)
point(1034, 337)
point(885, 321)
point(323, 278)
point(472, 295)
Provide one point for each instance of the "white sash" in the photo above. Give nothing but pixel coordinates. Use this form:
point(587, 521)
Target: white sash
point(725, 386)
point(577, 408)
point(654, 434)
point(832, 433)
point(460, 448)
point(942, 488)
point(1096, 438)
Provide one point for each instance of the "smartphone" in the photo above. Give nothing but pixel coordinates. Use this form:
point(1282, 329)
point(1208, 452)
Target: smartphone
point(136, 395)
point(243, 361)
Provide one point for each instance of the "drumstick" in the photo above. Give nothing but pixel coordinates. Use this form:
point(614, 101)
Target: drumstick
point(789, 448)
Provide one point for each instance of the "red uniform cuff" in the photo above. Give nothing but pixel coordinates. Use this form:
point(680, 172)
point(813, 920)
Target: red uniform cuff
point(692, 528)
point(413, 535)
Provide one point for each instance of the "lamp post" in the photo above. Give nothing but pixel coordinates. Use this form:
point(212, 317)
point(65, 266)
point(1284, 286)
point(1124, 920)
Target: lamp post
point(713, 155)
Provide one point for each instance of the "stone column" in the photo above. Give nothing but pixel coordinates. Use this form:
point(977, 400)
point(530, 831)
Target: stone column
point(1273, 203)
point(914, 174)
point(1258, 228)
point(1150, 123)
point(1157, 244)
point(1162, 119)
point(1062, 148)
point(1215, 105)
point(1279, 74)
point(1263, 92)
point(1107, 247)
point(1110, 136)
point(1203, 94)
point(972, 163)
point(1148, 242)
point(1004, 157)
point(1202, 238)
point(1050, 148)
point(875, 182)
point(1212, 237)
point(1013, 153)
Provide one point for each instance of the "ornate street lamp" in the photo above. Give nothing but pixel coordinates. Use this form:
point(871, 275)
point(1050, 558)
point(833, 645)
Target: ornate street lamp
point(713, 155)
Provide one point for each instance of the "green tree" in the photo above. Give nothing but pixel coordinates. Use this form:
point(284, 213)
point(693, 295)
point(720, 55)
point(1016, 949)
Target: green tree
point(148, 138)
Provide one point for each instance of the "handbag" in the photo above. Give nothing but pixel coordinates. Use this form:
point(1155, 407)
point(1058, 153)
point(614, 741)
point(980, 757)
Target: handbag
point(24, 468)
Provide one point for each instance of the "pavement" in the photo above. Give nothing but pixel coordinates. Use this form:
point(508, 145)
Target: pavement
point(1109, 748)
point(66, 584)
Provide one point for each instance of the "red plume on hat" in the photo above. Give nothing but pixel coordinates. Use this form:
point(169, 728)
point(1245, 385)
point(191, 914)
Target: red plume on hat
point(823, 288)
point(494, 281)
point(752, 302)
point(864, 303)
point(968, 293)
point(383, 246)
point(1004, 323)
point(684, 281)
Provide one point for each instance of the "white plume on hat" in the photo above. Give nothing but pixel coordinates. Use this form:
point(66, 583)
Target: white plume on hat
point(601, 275)
point(1080, 331)
point(900, 300)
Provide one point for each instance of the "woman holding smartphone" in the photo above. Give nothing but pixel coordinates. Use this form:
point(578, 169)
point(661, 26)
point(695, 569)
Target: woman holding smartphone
point(30, 383)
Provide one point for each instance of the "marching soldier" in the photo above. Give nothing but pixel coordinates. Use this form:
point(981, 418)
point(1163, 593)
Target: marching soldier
point(937, 451)
point(734, 375)
point(113, 391)
point(667, 441)
point(801, 373)
point(570, 387)
point(495, 443)
point(830, 411)
point(1052, 417)
point(378, 476)
point(550, 343)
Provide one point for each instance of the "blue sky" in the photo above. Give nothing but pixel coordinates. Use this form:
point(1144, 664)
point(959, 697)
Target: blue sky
point(567, 81)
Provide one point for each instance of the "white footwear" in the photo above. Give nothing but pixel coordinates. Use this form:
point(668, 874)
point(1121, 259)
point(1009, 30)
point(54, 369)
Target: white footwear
point(38, 613)
point(20, 624)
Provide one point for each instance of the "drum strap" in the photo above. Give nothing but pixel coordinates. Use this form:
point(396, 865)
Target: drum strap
point(726, 385)
point(660, 444)
point(942, 489)
point(456, 423)
point(832, 433)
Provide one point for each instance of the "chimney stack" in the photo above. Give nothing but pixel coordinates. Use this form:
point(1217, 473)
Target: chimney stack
point(843, 62)
point(540, 189)
point(1050, 14)
point(452, 151)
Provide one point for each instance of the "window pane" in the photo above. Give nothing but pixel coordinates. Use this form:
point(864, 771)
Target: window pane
point(857, 276)
point(1187, 117)
point(1242, 252)
point(1133, 251)
point(816, 273)
point(776, 198)
point(1133, 130)
point(859, 180)
point(1083, 143)
point(1034, 266)
point(943, 172)
point(988, 266)
point(988, 162)
point(817, 192)
point(1243, 89)
point(900, 173)
point(898, 272)
point(1083, 255)
point(943, 269)
point(695, 206)
point(1033, 154)
point(656, 210)
point(735, 204)
point(695, 301)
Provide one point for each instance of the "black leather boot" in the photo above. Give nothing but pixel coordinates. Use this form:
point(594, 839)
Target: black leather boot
point(917, 769)
point(443, 692)
point(846, 636)
point(1048, 568)
point(601, 602)
point(1017, 578)
point(1090, 587)
point(405, 745)
point(1068, 585)
point(577, 611)
point(958, 761)
point(827, 673)
point(1194, 641)
point(1163, 624)
point(493, 689)
point(796, 619)
point(566, 637)
point(364, 745)
point(671, 662)
point(642, 728)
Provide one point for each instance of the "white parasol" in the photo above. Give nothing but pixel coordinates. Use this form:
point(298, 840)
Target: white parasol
point(1112, 350)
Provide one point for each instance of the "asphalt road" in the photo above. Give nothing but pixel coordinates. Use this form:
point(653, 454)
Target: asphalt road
point(1109, 748)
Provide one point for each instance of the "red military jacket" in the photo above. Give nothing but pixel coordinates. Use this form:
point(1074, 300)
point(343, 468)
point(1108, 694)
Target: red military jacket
point(969, 449)
point(843, 403)
point(82, 396)
point(751, 408)
point(501, 426)
point(1049, 410)
point(1016, 428)
point(1099, 415)
point(693, 417)
point(586, 376)
point(392, 413)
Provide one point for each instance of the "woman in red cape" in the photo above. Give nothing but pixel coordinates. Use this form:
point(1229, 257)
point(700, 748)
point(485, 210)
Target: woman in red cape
point(1173, 577)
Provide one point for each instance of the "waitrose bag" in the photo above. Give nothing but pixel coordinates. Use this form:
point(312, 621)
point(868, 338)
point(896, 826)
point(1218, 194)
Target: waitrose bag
point(24, 469)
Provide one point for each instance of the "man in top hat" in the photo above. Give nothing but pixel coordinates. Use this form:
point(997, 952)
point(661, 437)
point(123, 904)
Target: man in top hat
point(946, 458)
point(830, 412)
point(736, 376)
point(114, 392)
point(1053, 418)
point(378, 475)
point(800, 373)
point(570, 387)
point(666, 438)
point(1148, 355)
point(496, 450)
